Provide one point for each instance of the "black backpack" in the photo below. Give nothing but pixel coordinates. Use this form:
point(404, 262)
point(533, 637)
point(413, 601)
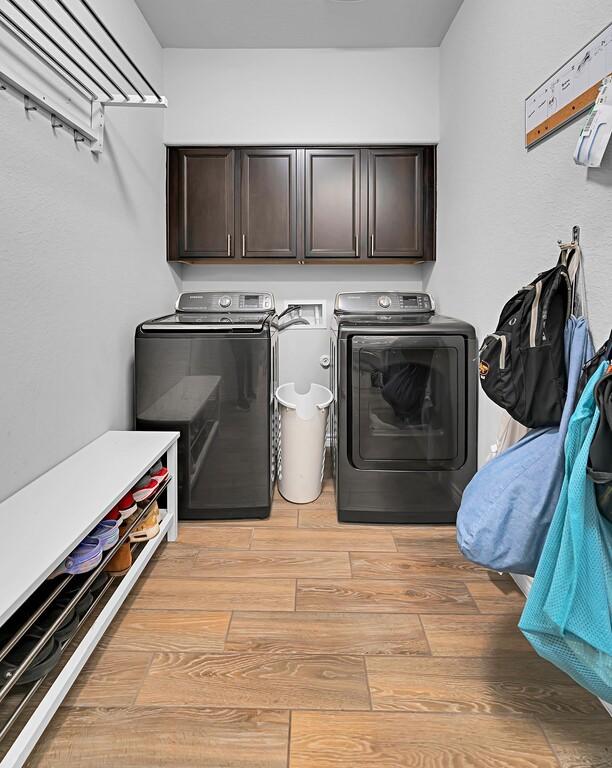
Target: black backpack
point(522, 364)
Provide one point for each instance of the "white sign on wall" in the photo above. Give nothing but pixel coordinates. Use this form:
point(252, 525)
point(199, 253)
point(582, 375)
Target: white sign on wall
point(570, 91)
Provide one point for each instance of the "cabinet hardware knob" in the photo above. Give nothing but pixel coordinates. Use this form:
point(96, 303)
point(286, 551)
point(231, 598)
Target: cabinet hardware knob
point(372, 242)
point(243, 245)
point(229, 245)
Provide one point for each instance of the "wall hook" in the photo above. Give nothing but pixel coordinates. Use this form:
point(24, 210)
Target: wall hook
point(27, 104)
point(78, 137)
point(575, 237)
point(55, 122)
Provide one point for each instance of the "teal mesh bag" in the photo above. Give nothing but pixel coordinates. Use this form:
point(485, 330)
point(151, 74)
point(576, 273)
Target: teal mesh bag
point(567, 617)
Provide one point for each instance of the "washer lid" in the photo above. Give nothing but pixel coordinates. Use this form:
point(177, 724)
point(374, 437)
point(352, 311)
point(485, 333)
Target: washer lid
point(213, 321)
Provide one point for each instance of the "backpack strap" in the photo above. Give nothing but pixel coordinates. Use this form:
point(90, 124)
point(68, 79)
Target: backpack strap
point(574, 258)
point(571, 258)
point(535, 308)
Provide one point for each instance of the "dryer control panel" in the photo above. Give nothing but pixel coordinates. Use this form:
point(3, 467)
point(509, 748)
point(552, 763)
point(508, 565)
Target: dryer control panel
point(214, 301)
point(389, 302)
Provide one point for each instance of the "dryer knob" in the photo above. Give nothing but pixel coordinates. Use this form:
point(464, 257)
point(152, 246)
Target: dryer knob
point(225, 301)
point(384, 302)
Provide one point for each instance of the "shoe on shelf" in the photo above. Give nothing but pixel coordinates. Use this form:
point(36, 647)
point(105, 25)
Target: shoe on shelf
point(121, 561)
point(81, 607)
point(84, 558)
point(114, 514)
point(159, 472)
point(129, 520)
point(127, 506)
point(42, 664)
point(99, 583)
point(66, 629)
point(108, 533)
point(145, 488)
point(77, 582)
point(149, 527)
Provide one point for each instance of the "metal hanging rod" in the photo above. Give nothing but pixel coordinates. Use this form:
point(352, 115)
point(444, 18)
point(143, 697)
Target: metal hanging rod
point(93, 40)
point(54, 42)
point(120, 47)
point(97, 74)
point(11, 26)
point(79, 47)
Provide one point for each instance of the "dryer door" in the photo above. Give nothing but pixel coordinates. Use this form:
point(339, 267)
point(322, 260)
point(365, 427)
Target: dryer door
point(408, 402)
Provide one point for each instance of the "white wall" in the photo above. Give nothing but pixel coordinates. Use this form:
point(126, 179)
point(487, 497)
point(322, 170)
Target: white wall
point(501, 208)
point(82, 260)
point(302, 97)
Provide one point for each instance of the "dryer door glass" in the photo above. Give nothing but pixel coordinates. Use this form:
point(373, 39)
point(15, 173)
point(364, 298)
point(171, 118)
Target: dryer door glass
point(408, 402)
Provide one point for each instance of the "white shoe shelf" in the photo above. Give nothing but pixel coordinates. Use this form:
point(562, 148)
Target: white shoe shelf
point(46, 520)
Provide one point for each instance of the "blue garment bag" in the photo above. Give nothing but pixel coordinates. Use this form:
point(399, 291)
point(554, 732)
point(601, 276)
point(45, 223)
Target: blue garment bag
point(567, 618)
point(508, 505)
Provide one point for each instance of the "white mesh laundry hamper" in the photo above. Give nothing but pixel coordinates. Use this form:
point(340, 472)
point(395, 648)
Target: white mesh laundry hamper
point(301, 448)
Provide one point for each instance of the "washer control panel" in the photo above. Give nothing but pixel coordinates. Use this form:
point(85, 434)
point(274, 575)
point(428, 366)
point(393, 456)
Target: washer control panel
point(213, 301)
point(391, 302)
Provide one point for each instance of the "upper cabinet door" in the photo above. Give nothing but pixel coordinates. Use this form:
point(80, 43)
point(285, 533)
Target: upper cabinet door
point(332, 202)
point(205, 197)
point(401, 204)
point(268, 203)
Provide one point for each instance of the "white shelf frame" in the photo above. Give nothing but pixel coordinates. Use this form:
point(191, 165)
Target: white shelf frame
point(161, 442)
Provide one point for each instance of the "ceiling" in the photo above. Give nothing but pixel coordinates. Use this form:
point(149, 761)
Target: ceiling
point(299, 23)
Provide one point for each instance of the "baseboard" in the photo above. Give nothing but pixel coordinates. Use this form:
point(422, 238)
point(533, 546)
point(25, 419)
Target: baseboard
point(523, 582)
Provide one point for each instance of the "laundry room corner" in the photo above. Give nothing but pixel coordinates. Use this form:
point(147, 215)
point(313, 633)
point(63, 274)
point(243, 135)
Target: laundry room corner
point(501, 208)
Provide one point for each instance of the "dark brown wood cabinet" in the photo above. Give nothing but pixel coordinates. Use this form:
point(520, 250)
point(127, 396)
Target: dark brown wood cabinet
point(332, 203)
point(399, 207)
point(201, 203)
point(300, 205)
point(268, 203)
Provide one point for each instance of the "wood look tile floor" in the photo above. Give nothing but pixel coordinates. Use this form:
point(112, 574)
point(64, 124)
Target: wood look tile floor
point(300, 642)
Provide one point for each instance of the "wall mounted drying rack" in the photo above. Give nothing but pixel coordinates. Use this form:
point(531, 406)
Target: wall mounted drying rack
point(93, 73)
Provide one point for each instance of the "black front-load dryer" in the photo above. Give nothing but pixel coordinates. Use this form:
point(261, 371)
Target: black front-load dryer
point(209, 372)
point(404, 426)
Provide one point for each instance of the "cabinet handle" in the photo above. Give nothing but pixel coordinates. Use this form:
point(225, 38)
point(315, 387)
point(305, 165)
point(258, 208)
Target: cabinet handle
point(357, 246)
point(229, 245)
point(372, 242)
point(243, 244)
